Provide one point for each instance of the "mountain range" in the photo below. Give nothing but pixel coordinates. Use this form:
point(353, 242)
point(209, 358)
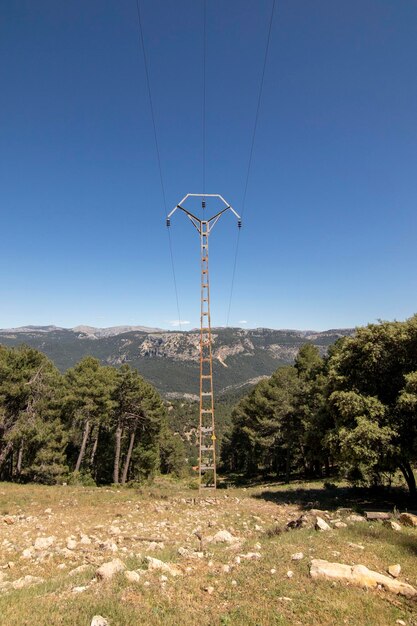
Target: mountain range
point(170, 359)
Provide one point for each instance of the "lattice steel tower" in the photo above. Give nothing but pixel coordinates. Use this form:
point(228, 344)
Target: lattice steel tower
point(207, 437)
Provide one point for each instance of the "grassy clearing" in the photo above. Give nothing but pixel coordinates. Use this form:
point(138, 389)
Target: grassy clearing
point(248, 594)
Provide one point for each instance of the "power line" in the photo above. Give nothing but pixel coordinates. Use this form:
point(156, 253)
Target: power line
point(158, 154)
point(204, 99)
point(255, 126)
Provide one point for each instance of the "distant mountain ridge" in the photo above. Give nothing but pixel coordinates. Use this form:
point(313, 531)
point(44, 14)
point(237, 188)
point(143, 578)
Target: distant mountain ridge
point(170, 359)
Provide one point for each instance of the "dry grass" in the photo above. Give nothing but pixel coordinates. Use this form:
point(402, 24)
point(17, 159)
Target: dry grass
point(171, 512)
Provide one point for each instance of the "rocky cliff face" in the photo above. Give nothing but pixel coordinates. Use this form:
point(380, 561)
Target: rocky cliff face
point(171, 359)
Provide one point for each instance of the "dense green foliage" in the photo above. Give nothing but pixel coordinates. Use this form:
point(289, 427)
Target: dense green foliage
point(354, 411)
point(93, 424)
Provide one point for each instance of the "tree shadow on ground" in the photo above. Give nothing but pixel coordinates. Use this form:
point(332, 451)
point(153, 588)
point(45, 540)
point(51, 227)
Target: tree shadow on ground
point(358, 499)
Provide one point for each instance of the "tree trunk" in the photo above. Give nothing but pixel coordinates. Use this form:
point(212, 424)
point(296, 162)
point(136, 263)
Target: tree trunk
point(83, 446)
point(118, 443)
point(5, 452)
point(95, 444)
point(410, 479)
point(128, 457)
point(287, 466)
point(19, 459)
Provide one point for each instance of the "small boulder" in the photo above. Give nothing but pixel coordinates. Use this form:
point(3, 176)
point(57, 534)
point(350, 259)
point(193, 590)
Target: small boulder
point(110, 569)
point(393, 525)
point(394, 570)
point(132, 576)
point(43, 543)
point(98, 620)
point(373, 516)
point(27, 581)
point(297, 556)
point(353, 519)
point(340, 525)
point(321, 524)
point(71, 544)
point(408, 519)
point(223, 536)
point(168, 568)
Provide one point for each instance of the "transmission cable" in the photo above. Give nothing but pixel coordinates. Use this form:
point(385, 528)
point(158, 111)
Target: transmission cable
point(204, 102)
point(148, 83)
point(255, 126)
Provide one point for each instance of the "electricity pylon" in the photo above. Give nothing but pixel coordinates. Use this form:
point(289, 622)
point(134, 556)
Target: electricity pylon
point(207, 437)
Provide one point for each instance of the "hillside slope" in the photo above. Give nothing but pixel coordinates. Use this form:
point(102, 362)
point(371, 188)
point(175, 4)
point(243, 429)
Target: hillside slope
point(170, 359)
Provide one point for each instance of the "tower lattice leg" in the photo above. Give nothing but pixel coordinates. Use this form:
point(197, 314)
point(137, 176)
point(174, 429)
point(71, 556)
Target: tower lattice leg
point(207, 438)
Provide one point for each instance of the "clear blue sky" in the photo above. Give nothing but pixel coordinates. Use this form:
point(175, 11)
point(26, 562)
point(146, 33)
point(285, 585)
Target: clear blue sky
point(329, 237)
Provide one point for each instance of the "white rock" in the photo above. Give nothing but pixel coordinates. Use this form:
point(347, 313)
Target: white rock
point(132, 577)
point(290, 574)
point(356, 546)
point(394, 570)
point(297, 556)
point(355, 518)
point(78, 570)
point(28, 553)
point(110, 569)
point(168, 568)
point(209, 589)
point(98, 620)
point(115, 530)
point(43, 543)
point(71, 544)
point(393, 525)
point(79, 589)
point(321, 524)
point(251, 556)
point(359, 575)
point(223, 536)
point(27, 581)
point(340, 525)
point(273, 570)
point(48, 511)
point(234, 583)
point(163, 578)
point(226, 569)
point(85, 540)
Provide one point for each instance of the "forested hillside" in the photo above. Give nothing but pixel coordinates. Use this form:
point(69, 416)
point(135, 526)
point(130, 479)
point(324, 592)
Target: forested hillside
point(93, 424)
point(352, 412)
point(170, 360)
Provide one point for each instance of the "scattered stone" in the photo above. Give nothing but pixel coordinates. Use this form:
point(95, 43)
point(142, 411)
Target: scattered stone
point(340, 525)
point(48, 511)
point(163, 578)
point(79, 589)
point(71, 544)
point(273, 570)
point(401, 622)
point(284, 599)
point(9, 520)
point(394, 570)
point(393, 525)
point(223, 536)
point(359, 575)
point(85, 540)
point(356, 546)
point(28, 553)
point(110, 569)
point(319, 513)
point(226, 569)
point(408, 519)
point(27, 581)
point(250, 556)
point(373, 516)
point(115, 530)
point(43, 543)
point(234, 583)
point(190, 554)
point(132, 577)
point(78, 570)
point(168, 568)
point(353, 519)
point(209, 589)
point(297, 556)
point(321, 524)
point(290, 574)
point(98, 620)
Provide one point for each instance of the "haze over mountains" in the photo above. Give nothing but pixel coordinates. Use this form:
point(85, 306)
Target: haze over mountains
point(170, 359)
